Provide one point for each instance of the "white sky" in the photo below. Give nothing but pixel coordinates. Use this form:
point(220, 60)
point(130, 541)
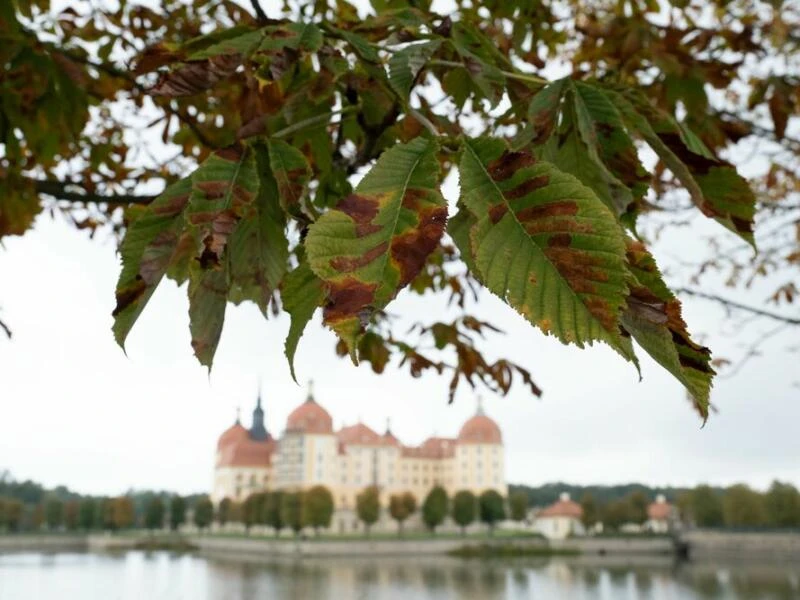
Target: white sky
point(75, 410)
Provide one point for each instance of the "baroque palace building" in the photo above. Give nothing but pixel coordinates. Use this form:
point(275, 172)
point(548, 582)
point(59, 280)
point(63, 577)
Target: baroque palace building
point(310, 452)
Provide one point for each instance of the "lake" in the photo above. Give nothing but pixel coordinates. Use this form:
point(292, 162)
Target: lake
point(164, 575)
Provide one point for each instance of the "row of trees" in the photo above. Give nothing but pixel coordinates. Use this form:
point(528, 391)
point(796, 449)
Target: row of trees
point(279, 509)
point(314, 508)
point(704, 506)
point(96, 514)
point(741, 506)
point(464, 508)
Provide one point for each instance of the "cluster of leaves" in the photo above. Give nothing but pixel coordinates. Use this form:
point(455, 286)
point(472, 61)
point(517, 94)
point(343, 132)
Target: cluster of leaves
point(552, 184)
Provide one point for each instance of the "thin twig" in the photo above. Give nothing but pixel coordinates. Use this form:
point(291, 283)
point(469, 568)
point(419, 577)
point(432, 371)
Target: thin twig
point(58, 189)
point(260, 14)
point(312, 121)
point(424, 121)
point(526, 77)
point(5, 328)
point(739, 306)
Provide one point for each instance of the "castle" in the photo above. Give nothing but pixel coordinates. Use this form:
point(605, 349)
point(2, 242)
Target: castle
point(346, 461)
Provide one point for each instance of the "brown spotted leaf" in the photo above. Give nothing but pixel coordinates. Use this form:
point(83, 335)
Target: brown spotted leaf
point(208, 297)
point(653, 318)
point(378, 238)
point(224, 189)
point(713, 184)
point(258, 247)
point(301, 293)
point(545, 244)
point(291, 172)
point(196, 76)
point(149, 248)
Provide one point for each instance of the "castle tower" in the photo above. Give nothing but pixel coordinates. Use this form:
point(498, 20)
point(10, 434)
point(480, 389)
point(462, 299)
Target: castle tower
point(258, 431)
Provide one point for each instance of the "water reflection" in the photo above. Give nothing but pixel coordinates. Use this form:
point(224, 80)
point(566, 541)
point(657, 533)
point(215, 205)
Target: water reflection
point(160, 575)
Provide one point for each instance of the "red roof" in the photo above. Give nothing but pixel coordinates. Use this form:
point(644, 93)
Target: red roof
point(247, 453)
point(389, 439)
point(480, 429)
point(433, 447)
point(563, 508)
point(359, 435)
point(659, 511)
point(310, 417)
point(234, 433)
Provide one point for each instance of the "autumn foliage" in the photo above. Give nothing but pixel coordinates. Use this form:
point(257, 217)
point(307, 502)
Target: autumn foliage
point(313, 149)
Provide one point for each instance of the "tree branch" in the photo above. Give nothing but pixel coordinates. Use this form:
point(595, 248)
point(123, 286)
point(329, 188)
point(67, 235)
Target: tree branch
point(58, 189)
point(5, 328)
point(732, 304)
point(260, 14)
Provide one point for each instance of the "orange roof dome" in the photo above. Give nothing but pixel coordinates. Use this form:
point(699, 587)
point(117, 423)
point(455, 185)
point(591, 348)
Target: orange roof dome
point(563, 508)
point(234, 433)
point(660, 510)
point(480, 429)
point(310, 417)
point(359, 435)
point(247, 453)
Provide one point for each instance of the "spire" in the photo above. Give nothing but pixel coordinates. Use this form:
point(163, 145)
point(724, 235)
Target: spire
point(310, 395)
point(238, 415)
point(388, 426)
point(479, 408)
point(258, 431)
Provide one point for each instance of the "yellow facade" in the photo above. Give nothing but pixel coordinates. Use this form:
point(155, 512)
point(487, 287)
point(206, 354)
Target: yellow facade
point(346, 461)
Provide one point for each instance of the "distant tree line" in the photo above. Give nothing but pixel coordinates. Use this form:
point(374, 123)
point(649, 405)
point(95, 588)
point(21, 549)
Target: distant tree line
point(704, 506)
point(29, 506)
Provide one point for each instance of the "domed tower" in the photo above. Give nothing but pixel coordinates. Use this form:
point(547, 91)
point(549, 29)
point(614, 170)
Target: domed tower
point(234, 433)
point(258, 431)
point(480, 455)
point(307, 449)
point(244, 459)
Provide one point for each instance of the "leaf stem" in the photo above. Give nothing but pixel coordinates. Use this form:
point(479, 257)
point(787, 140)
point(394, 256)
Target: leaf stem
point(312, 121)
point(526, 77)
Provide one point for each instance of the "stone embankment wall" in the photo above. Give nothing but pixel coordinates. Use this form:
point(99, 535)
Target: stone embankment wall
point(708, 544)
point(378, 547)
point(632, 546)
point(42, 543)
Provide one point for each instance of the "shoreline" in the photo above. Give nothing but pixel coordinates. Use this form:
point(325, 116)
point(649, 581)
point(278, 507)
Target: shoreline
point(702, 545)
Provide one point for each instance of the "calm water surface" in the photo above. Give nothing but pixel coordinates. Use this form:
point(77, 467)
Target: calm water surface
point(162, 575)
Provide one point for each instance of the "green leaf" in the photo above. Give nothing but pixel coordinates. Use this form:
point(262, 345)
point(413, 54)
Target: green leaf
point(459, 227)
point(609, 145)
point(545, 244)
point(568, 151)
point(297, 36)
point(243, 44)
point(377, 239)
point(713, 184)
point(481, 60)
point(224, 188)
point(208, 294)
point(360, 44)
point(147, 251)
point(653, 318)
point(258, 247)
point(291, 172)
point(407, 63)
point(301, 293)
point(544, 109)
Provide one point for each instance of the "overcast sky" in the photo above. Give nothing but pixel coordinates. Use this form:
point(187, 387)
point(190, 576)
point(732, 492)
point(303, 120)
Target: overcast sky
point(75, 410)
